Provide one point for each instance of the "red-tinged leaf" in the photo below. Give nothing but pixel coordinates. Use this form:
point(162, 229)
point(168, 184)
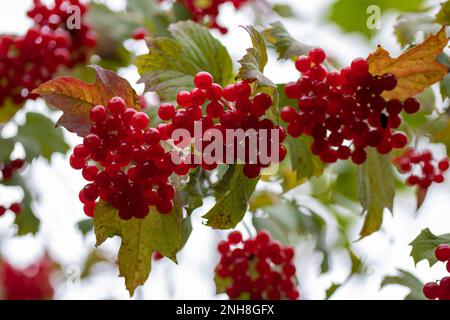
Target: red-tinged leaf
point(76, 98)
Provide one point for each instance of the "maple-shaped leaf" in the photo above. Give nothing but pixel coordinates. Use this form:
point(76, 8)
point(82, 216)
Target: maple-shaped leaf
point(76, 97)
point(425, 243)
point(140, 239)
point(376, 190)
point(406, 279)
point(416, 69)
point(232, 193)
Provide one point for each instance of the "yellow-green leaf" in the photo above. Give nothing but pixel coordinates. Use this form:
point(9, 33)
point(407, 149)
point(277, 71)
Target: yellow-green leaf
point(140, 238)
point(376, 186)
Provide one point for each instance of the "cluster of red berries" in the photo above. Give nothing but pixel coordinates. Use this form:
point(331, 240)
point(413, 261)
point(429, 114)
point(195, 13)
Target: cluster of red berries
point(31, 283)
point(208, 11)
point(29, 60)
point(441, 291)
point(258, 268)
point(344, 111)
point(7, 171)
point(229, 108)
point(124, 162)
point(429, 169)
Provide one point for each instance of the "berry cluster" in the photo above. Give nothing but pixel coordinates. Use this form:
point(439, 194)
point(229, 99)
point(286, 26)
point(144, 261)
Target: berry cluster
point(29, 60)
point(208, 11)
point(31, 283)
point(344, 111)
point(441, 291)
point(7, 170)
point(229, 108)
point(124, 162)
point(429, 170)
point(258, 268)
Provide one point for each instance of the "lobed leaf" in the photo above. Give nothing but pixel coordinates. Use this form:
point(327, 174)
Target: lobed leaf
point(76, 98)
point(140, 238)
point(171, 64)
point(425, 243)
point(416, 69)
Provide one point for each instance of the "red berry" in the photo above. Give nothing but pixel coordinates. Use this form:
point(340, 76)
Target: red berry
point(139, 34)
point(184, 98)
point(360, 67)
point(431, 290)
point(166, 111)
point(16, 208)
point(98, 114)
point(411, 105)
point(317, 55)
point(444, 164)
point(442, 252)
point(203, 80)
point(140, 120)
point(116, 105)
point(303, 63)
point(235, 237)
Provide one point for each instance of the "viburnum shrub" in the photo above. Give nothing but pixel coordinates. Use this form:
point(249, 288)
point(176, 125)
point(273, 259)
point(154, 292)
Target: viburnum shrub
point(31, 283)
point(257, 268)
point(8, 169)
point(29, 60)
point(345, 111)
point(124, 162)
point(230, 108)
point(440, 290)
point(208, 11)
point(422, 168)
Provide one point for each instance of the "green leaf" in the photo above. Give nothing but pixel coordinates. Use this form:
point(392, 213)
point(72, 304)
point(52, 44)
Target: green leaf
point(222, 284)
point(26, 220)
point(232, 195)
point(376, 190)
point(8, 110)
point(140, 238)
point(76, 98)
point(352, 16)
point(287, 222)
point(408, 280)
point(409, 24)
point(40, 138)
point(112, 29)
point(193, 192)
point(283, 10)
point(443, 16)
point(85, 226)
point(6, 147)
point(171, 64)
point(425, 243)
point(285, 45)
point(151, 15)
point(332, 289)
point(252, 69)
point(303, 162)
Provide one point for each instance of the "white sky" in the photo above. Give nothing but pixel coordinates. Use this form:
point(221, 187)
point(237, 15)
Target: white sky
point(59, 208)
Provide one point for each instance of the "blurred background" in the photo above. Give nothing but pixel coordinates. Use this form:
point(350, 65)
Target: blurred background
point(88, 273)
